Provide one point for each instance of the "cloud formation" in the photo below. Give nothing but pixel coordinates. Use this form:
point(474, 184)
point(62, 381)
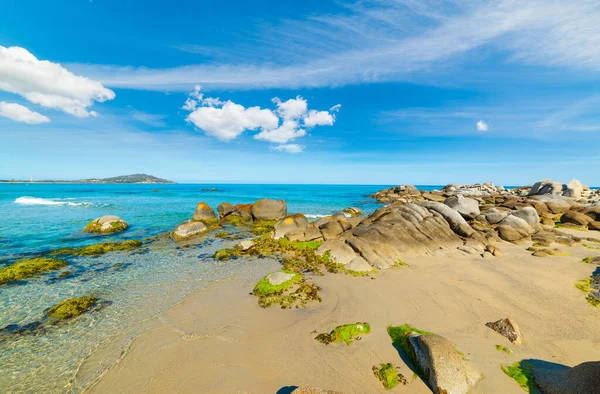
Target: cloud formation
point(226, 120)
point(20, 113)
point(482, 126)
point(49, 84)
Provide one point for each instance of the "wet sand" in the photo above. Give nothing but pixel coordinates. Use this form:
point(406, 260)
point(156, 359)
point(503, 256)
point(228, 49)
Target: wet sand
point(221, 341)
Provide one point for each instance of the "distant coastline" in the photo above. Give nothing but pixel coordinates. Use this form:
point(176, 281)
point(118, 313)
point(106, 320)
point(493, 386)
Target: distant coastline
point(123, 179)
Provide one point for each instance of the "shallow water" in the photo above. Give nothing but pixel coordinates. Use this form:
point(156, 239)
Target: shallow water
point(38, 218)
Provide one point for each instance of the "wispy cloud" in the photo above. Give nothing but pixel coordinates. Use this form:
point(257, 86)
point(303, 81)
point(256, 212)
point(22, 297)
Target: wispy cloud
point(154, 120)
point(383, 40)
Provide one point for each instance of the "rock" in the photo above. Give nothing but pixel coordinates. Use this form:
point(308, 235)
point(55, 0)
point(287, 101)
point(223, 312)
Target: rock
point(353, 211)
point(433, 197)
point(332, 229)
point(467, 207)
point(528, 214)
point(358, 264)
point(547, 222)
point(339, 251)
point(448, 372)
point(582, 378)
point(495, 251)
point(278, 278)
point(513, 229)
point(392, 232)
point(289, 223)
point(593, 212)
point(246, 244)
point(321, 221)
point(225, 209)
point(578, 218)
point(106, 225)
point(508, 328)
point(556, 204)
point(244, 211)
point(267, 209)
point(454, 219)
point(189, 229)
point(546, 187)
point(495, 216)
point(403, 193)
point(308, 233)
point(204, 213)
point(594, 226)
point(574, 189)
point(312, 390)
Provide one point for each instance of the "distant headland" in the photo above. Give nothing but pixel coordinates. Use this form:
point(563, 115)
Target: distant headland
point(135, 178)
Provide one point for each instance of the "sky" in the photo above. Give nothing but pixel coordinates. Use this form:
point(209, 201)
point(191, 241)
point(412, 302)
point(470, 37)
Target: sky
point(351, 92)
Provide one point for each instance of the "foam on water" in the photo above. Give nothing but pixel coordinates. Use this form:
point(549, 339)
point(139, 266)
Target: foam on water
point(27, 200)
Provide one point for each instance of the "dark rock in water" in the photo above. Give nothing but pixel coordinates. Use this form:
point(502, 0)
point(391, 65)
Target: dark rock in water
point(448, 372)
point(267, 209)
point(508, 328)
point(13, 330)
point(582, 378)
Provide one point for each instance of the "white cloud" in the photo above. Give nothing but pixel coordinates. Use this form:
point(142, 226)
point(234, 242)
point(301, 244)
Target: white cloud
point(227, 120)
point(319, 118)
point(288, 131)
point(19, 113)
point(288, 148)
point(482, 126)
point(49, 84)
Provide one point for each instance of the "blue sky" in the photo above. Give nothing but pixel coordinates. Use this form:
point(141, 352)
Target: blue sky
point(380, 91)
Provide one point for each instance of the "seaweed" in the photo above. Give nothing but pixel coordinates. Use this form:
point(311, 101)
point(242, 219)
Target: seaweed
point(28, 268)
point(522, 373)
point(98, 249)
point(389, 375)
point(72, 307)
point(346, 333)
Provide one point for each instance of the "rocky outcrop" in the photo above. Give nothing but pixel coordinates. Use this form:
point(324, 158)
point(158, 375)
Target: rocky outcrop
point(267, 209)
point(508, 328)
point(204, 213)
point(582, 378)
point(477, 189)
point(448, 372)
point(189, 229)
point(106, 225)
point(574, 189)
point(467, 207)
point(339, 251)
point(403, 193)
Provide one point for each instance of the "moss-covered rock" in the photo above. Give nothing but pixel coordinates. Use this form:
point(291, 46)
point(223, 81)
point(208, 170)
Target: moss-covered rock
point(287, 289)
point(28, 268)
point(389, 375)
point(98, 249)
point(72, 307)
point(346, 333)
point(590, 289)
point(106, 225)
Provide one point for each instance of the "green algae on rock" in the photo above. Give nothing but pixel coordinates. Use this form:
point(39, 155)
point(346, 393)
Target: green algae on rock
point(287, 289)
point(263, 227)
point(504, 349)
point(592, 293)
point(346, 333)
point(106, 225)
point(98, 249)
point(71, 308)
point(28, 268)
point(389, 376)
point(400, 335)
point(275, 283)
point(522, 373)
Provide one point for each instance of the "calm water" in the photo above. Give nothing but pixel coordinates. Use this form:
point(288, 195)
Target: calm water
point(37, 218)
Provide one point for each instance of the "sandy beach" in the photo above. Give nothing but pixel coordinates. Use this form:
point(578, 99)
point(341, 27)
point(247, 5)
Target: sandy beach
point(221, 341)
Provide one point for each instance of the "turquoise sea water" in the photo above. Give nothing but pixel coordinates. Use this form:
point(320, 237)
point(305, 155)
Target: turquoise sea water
point(38, 218)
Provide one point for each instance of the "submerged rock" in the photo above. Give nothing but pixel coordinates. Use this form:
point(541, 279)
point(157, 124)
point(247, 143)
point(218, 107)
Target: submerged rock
point(582, 378)
point(508, 328)
point(28, 268)
point(267, 209)
point(72, 307)
point(106, 225)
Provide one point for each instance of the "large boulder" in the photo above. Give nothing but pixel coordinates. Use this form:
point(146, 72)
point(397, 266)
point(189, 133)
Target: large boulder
point(391, 233)
point(467, 207)
point(106, 225)
point(332, 229)
point(288, 224)
point(546, 187)
point(267, 209)
point(582, 378)
point(453, 218)
point(578, 218)
point(339, 251)
point(225, 209)
point(204, 213)
point(308, 233)
point(574, 189)
point(448, 372)
point(529, 214)
point(494, 215)
point(556, 204)
point(358, 264)
point(189, 229)
point(513, 228)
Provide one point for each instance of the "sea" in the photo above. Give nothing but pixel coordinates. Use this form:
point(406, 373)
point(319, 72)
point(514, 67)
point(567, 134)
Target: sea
point(134, 287)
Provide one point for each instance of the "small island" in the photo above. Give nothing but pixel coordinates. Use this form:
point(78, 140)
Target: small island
point(134, 178)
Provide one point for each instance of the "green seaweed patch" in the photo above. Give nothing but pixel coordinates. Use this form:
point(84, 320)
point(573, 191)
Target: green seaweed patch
point(400, 263)
point(223, 234)
point(522, 373)
point(226, 254)
point(389, 375)
point(572, 227)
point(264, 287)
point(98, 249)
point(28, 268)
point(504, 349)
point(400, 335)
point(346, 333)
point(236, 220)
point(297, 291)
point(65, 274)
point(594, 247)
point(585, 286)
point(72, 307)
point(263, 227)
